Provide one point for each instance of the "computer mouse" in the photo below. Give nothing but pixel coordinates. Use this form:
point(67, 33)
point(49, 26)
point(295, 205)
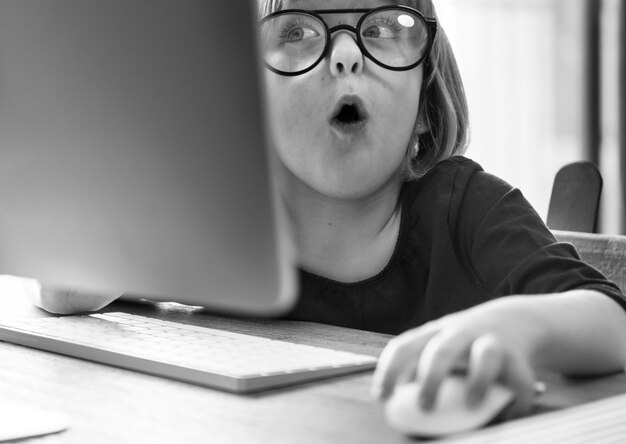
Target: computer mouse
point(449, 415)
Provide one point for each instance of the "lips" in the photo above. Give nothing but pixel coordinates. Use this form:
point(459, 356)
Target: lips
point(349, 115)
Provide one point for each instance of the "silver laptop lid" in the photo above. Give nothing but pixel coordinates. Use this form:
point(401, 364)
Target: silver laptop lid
point(133, 153)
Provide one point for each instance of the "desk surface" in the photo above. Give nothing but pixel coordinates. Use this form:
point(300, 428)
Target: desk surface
point(111, 405)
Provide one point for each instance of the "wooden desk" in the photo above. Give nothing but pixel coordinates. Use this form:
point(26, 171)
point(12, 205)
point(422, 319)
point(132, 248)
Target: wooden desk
point(112, 405)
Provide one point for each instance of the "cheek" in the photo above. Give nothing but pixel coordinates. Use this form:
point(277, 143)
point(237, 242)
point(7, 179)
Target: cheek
point(288, 107)
point(412, 89)
point(400, 115)
point(410, 92)
point(293, 126)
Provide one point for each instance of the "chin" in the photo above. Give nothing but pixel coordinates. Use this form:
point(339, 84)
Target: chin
point(348, 191)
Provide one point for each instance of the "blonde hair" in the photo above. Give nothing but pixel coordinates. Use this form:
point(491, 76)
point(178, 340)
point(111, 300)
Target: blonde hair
point(443, 108)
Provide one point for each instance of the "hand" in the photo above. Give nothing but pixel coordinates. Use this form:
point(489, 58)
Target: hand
point(65, 301)
point(491, 342)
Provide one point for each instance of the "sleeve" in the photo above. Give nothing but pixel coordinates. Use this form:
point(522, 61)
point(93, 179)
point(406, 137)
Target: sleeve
point(507, 247)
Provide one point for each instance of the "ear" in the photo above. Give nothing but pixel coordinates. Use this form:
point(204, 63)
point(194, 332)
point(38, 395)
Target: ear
point(421, 125)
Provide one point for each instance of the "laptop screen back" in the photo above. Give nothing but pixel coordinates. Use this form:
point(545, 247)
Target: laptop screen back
point(133, 153)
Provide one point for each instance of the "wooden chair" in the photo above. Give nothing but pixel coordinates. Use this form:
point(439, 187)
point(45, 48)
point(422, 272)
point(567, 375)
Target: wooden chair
point(605, 252)
point(575, 198)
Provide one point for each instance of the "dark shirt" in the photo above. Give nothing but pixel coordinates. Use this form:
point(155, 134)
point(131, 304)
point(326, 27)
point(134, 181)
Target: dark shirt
point(465, 237)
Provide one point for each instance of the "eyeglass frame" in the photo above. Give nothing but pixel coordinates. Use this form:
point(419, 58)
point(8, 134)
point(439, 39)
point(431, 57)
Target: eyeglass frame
point(430, 22)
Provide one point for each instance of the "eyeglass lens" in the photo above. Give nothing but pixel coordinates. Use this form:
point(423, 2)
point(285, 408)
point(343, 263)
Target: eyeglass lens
point(295, 41)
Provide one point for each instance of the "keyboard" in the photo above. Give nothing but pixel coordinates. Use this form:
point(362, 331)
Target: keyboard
point(234, 362)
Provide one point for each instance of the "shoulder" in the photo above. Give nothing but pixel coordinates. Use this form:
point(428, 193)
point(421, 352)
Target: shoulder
point(456, 174)
point(456, 185)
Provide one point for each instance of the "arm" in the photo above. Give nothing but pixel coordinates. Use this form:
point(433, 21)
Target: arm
point(579, 332)
point(552, 315)
point(583, 333)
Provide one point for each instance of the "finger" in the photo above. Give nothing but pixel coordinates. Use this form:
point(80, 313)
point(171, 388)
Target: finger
point(518, 375)
point(485, 365)
point(399, 358)
point(441, 355)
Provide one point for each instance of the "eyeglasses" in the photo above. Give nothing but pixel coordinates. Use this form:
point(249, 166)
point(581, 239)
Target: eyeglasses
point(294, 41)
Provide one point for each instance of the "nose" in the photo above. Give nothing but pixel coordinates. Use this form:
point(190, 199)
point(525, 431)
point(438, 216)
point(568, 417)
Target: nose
point(345, 55)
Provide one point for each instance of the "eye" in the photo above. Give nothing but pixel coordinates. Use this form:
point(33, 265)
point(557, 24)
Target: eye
point(298, 31)
point(381, 29)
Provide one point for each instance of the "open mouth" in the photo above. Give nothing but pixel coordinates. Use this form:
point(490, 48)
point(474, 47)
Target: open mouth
point(349, 116)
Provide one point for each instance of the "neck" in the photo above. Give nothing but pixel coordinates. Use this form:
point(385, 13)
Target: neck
point(346, 239)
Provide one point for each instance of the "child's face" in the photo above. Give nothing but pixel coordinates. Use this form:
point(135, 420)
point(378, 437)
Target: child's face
point(328, 150)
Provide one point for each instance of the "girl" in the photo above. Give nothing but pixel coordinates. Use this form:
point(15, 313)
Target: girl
point(399, 234)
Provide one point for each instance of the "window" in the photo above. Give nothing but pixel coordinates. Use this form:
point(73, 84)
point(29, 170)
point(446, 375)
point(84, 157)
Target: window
point(523, 65)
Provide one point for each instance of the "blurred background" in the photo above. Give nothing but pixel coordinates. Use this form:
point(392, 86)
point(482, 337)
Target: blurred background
point(543, 84)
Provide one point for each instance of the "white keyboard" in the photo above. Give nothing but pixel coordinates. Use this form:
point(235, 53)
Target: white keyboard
point(215, 358)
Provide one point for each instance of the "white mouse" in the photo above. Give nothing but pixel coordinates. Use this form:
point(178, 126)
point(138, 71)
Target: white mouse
point(450, 414)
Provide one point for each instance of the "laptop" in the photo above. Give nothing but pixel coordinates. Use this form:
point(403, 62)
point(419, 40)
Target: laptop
point(134, 155)
point(134, 160)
